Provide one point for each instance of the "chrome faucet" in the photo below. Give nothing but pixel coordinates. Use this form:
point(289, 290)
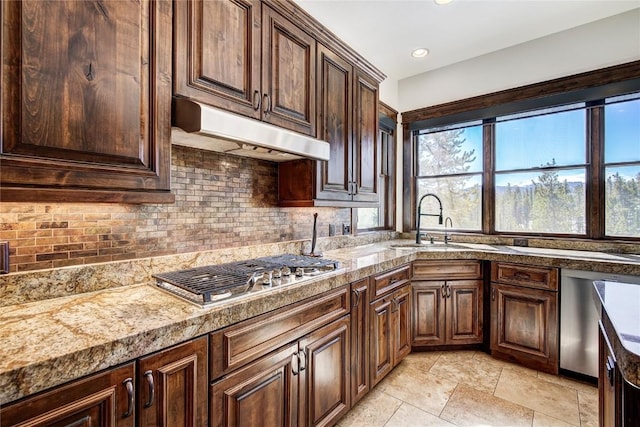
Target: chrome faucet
point(447, 236)
point(420, 214)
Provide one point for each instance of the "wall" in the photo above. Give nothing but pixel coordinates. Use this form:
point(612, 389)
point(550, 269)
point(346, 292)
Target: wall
point(221, 201)
point(611, 41)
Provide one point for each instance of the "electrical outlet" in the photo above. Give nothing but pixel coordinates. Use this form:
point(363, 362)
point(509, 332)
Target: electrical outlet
point(332, 230)
point(346, 229)
point(521, 242)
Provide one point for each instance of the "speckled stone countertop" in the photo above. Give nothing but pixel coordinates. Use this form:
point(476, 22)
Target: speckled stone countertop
point(86, 325)
point(619, 308)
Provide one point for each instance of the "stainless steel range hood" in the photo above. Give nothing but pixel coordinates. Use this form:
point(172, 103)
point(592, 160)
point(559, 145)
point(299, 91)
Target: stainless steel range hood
point(207, 128)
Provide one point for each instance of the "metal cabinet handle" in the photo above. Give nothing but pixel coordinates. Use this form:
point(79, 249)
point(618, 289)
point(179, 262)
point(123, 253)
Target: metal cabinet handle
point(448, 289)
point(522, 276)
point(128, 383)
point(493, 294)
point(443, 291)
point(256, 100)
point(266, 103)
point(356, 295)
point(152, 389)
point(303, 362)
point(610, 367)
point(294, 364)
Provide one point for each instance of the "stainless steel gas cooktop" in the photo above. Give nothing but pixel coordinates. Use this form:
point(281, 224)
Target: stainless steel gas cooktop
point(213, 283)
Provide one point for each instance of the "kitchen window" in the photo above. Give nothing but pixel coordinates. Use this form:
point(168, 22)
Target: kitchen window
point(449, 164)
point(622, 165)
point(558, 158)
point(540, 171)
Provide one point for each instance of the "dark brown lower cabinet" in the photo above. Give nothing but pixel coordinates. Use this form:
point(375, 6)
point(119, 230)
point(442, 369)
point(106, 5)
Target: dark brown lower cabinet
point(447, 312)
point(360, 379)
point(102, 400)
point(619, 401)
point(167, 388)
point(173, 385)
point(304, 383)
point(390, 331)
point(524, 326)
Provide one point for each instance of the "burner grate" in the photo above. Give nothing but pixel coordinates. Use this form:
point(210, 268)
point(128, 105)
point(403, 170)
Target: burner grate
point(208, 283)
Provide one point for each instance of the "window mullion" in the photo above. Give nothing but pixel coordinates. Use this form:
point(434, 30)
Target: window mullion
point(595, 171)
point(488, 177)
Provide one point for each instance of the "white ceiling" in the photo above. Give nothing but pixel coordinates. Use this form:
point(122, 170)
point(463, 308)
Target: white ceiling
point(386, 31)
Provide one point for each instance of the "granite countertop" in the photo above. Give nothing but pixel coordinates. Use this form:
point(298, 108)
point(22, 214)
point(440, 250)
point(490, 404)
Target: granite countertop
point(619, 308)
point(50, 341)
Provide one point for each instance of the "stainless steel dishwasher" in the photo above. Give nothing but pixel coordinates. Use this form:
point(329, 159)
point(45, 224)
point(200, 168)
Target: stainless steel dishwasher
point(579, 319)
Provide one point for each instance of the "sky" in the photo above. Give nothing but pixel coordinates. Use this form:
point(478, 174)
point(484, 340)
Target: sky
point(560, 137)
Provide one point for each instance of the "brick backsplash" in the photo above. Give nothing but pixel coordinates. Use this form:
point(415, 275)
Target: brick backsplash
point(222, 201)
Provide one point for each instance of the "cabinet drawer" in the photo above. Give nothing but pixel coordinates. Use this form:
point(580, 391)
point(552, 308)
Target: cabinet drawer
point(246, 341)
point(446, 270)
point(389, 281)
point(525, 275)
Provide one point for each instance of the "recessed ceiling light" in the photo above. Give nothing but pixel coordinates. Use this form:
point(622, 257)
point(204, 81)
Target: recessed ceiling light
point(442, 1)
point(420, 52)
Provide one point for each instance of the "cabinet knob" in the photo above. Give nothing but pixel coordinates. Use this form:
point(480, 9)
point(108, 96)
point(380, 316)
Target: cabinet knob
point(152, 389)
point(128, 383)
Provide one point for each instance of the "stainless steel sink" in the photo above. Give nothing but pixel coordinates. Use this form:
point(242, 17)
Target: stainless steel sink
point(438, 246)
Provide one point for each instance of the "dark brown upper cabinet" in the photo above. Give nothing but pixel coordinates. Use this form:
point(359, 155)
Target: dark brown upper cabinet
point(86, 101)
point(348, 120)
point(245, 57)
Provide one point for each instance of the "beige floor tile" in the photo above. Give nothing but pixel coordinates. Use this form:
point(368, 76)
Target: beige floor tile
point(374, 410)
point(463, 368)
point(422, 361)
point(410, 416)
point(568, 382)
point(418, 388)
point(542, 420)
point(555, 400)
point(588, 404)
point(471, 407)
point(485, 358)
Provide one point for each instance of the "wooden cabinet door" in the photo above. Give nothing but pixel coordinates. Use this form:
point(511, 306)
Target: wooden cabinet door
point(86, 101)
point(428, 313)
point(335, 83)
point(609, 384)
point(263, 393)
point(402, 324)
point(367, 159)
point(217, 53)
point(325, 389)
point(464, 311)
point(173, 386)
point(102, 400)
point(381, 339)
point(359, 340)
point(288, 74)
point(524, 323)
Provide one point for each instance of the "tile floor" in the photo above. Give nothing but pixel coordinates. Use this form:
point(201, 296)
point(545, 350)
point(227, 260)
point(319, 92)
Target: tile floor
point(468, 388)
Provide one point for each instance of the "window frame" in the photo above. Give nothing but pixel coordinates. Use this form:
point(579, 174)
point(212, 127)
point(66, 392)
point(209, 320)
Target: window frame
point(591, 87)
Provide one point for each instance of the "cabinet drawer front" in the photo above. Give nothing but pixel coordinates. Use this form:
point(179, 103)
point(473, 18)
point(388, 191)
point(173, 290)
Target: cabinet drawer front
point(525, 275)
point(446, 270)
point(246, 341)
point(390, 281)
